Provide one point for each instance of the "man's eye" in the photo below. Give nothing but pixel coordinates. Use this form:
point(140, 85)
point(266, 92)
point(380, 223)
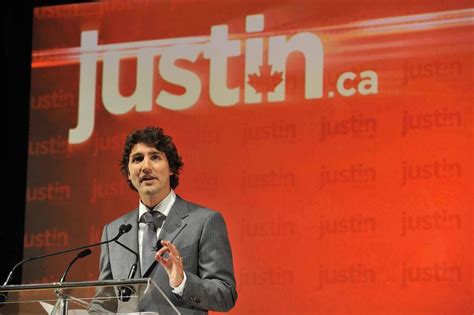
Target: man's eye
point(136, 159)
point(155, 157)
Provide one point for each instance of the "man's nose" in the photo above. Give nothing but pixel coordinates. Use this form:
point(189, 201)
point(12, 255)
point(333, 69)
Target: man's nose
point(146, 166)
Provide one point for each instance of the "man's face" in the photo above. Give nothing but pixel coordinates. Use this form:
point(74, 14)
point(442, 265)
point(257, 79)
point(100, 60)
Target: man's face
point(149, 172)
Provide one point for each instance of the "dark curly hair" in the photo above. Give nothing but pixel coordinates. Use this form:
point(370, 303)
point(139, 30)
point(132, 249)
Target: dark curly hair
point(153, 137)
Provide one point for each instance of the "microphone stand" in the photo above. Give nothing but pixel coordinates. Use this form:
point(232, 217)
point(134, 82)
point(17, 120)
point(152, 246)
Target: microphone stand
point(63, 298)
point(84, 253)
point(122, 230)
point(125, 292)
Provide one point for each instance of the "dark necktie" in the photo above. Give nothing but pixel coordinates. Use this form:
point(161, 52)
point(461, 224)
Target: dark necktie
point(153, 220)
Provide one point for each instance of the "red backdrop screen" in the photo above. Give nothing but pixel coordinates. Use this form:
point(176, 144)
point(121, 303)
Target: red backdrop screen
point(336, 138)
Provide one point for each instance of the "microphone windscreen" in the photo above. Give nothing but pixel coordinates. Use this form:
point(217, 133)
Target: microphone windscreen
point(84, 253)
point(125, 228)
point(128, 227)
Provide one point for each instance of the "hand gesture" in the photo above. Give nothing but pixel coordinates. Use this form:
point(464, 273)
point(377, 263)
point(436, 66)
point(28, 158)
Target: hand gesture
point(173, 264)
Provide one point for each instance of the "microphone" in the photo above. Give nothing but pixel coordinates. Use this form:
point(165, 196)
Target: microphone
point(122, 230)
point(125, 292)
point(84, 253)
point(134, 268)
point(58, 291)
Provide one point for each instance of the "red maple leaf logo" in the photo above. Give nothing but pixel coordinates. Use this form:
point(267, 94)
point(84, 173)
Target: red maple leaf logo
point(266, 81)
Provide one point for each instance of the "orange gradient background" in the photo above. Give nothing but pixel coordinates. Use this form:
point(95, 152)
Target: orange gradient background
point(375, 217)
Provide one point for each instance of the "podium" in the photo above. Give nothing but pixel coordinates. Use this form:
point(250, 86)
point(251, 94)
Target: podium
point(136, 296)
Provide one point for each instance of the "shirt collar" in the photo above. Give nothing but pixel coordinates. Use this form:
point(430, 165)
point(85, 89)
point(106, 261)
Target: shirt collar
point(164, 206)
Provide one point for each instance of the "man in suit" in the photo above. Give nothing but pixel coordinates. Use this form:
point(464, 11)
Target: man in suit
point(194, 264)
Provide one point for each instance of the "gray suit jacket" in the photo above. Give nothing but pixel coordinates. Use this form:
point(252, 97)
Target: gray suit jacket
point(201, 237)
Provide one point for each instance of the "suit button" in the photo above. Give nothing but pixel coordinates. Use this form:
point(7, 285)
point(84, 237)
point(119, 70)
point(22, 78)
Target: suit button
point(195, 299)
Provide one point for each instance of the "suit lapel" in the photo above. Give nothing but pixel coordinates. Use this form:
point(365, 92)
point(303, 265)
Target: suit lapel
point(174, 221)
point(172, 226)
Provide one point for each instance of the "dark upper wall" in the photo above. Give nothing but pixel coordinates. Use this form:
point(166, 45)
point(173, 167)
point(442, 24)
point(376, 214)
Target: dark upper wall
point(16, 47)
point(17, 18)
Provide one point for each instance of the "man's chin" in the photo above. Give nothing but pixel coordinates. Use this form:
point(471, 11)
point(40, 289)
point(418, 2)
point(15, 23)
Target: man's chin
point(149, 189)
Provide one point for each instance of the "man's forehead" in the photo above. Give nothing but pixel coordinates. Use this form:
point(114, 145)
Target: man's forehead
point(142, 148)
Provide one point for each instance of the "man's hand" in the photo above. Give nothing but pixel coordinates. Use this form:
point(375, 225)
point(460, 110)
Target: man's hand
point(173, 264)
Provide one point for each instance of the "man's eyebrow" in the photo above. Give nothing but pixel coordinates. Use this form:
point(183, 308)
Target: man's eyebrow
point(155, 152)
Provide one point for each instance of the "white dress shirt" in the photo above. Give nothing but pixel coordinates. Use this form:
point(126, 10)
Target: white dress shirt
point(164, 207)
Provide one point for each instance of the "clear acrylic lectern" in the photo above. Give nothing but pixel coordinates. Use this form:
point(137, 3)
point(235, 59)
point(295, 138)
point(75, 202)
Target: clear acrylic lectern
point(137, 296)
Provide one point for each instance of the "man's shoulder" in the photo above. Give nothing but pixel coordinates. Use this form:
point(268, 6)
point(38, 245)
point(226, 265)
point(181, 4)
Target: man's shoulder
point(192, 207)
point(197, 213)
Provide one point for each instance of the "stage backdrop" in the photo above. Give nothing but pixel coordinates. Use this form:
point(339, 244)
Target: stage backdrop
point(336, 137)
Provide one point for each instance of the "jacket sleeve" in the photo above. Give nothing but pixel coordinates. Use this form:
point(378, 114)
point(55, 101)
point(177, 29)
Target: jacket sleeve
point(214, 287)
